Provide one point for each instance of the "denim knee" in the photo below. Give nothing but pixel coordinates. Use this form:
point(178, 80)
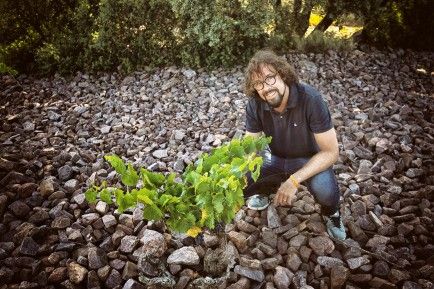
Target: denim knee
point(325, 189)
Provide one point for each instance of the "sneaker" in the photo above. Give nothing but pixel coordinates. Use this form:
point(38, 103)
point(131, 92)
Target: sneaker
point(257, 202)
point(335, 226)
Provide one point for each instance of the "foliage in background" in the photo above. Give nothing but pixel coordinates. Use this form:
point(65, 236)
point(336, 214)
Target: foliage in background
point(318, 41)
point(132, 33)
point(209, 192)
point(218, 32)
point(406, 23)
point(46, 36)
point(28, 27)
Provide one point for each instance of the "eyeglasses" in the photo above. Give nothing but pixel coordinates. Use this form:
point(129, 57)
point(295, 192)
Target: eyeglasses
point(270, 80)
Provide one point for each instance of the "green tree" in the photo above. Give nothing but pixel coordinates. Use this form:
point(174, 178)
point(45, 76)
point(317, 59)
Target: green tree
point(132, 33)
point(218, 32)
point(27, 26)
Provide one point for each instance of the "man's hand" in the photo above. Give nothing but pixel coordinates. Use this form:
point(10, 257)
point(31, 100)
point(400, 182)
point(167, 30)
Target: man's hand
point(285, 194)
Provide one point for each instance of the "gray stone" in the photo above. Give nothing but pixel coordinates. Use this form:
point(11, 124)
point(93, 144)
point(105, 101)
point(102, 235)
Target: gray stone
point(338, 277)
point(128, 244)
point(88, 219)
point(273, 219)
point(130, 270)
point(293, 261)
point(29, 247)
point(184, 256)
point(329, 262)
point(65, 173)
point(105, 129)
point(189, 73)
point(133, 284)
point(357, 262)
point(102, 207)
point(61, 223)
point(97, 258)
point(53, 115)
point(253, 274)
point(114, 279)
point(154, 243)
point(80, 199)
point(282, 277)
point(109, 221)
point(46, 187)
point(178, 134)
point(76, 273)
point(239, 240)
point(29, 126)
point(71, 185)
point(159, 154)
point(321, 245)
point(19, 209)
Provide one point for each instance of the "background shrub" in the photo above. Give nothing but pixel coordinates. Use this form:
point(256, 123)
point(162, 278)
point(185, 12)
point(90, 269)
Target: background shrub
point(132, 33)
point(318, 41)
point(218, 32)
point(45, 36)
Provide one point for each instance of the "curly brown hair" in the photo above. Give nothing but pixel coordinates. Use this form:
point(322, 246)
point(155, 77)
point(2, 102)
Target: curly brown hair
point(268, 58)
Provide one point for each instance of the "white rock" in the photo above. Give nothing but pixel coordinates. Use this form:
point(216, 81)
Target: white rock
point(184, 256)
point(109, 221)
point(102, 207)
point(160, 154)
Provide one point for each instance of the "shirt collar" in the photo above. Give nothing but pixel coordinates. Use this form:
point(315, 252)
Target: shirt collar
point(292, 98)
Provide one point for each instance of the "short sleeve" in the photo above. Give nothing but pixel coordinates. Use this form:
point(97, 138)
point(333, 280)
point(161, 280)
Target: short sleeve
point(319, 115)
point(253, 123)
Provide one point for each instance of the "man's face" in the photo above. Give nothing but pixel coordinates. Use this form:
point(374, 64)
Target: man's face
point(269, 86)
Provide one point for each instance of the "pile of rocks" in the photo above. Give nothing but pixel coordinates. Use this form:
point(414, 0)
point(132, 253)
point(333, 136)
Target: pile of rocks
point(54, 134)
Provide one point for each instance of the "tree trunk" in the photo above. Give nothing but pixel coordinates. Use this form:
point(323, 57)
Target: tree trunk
point(325, 22)
point(303, 18)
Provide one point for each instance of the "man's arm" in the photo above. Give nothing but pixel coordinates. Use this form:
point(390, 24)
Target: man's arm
point(325, 158)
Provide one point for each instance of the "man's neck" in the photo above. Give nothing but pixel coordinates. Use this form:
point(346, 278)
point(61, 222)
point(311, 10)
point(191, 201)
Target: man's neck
point(282, 106)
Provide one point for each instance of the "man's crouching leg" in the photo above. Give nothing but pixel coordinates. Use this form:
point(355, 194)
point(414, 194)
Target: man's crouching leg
point(324, 187)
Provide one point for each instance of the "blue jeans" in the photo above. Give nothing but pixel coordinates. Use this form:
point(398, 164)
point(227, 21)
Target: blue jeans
point(275, 170)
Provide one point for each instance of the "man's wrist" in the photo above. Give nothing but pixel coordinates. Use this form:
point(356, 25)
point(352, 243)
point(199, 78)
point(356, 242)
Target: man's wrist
point(294, 181)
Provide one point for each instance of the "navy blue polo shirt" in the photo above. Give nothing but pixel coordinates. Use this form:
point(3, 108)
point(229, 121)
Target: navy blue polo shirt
point(292, 130)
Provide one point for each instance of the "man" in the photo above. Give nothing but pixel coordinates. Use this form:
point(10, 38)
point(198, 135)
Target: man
point(304, 144)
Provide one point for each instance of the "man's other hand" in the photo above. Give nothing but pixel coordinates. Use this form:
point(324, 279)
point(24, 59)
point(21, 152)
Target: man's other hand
point(285, 194)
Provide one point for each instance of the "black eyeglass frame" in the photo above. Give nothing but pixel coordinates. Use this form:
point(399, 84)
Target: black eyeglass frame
point(270, 80)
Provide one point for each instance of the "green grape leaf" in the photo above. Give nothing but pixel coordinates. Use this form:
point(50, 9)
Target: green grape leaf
point(210, 219)
point(255, 168)
point(203, 186)
point(262, 143)
point(130, 200)
point(152, 180)
point(130, 177)
point(91, 194)
point(146, 196)
point(236, 150)
point(218, 201)
point(192, 177)
point(248, 143)
point(119, 194)
point(152, 212)
point(106, 196)
point(166, 199)
point(203, 199)
point(182, 223)
point(117, 163)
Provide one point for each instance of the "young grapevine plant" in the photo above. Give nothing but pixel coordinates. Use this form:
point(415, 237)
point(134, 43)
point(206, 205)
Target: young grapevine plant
point(208, 192)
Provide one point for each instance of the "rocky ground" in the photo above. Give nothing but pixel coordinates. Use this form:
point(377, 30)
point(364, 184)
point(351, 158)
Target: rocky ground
point(54, 133)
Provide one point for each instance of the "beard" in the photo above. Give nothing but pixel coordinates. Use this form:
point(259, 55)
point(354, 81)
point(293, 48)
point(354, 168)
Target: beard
point(276, 101)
